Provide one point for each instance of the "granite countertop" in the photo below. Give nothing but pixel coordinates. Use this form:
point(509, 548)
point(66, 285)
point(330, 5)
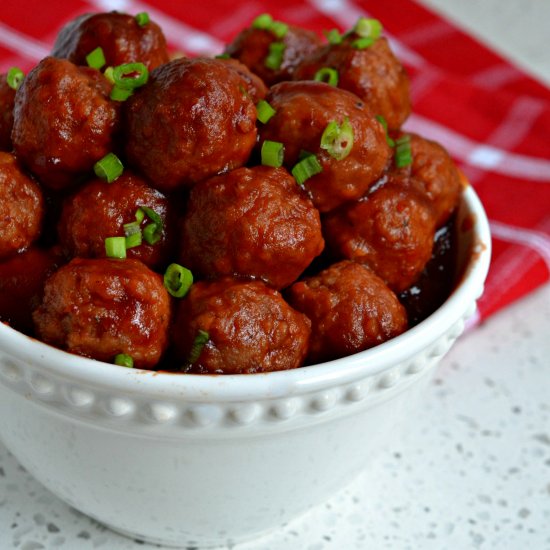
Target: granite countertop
point(474, 473)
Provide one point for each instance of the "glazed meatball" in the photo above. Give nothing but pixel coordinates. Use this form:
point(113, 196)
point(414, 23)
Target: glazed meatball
point(253, 222)
point(100, 210)
point(7, 98)
point(245, 327)
point(21, 208)
point(64, 121)
point(303, 112)
point(391, 230)
point(120, 37)
point(350, 308)
point(22, 280)
point(374, 74)
point(252, 47)
point(192, 120)
point(100, 308)
point(254, 85)
point(434, 168)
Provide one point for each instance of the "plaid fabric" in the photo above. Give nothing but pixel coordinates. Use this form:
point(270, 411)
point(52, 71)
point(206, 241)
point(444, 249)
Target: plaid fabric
point(493, 119)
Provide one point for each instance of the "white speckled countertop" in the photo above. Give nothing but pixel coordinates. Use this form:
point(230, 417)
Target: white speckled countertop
point(475, 473)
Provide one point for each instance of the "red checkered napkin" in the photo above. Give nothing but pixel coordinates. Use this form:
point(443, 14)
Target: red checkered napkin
point(493, 119)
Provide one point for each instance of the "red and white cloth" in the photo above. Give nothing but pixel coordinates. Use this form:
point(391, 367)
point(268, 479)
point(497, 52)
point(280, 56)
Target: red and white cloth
point(493, 119)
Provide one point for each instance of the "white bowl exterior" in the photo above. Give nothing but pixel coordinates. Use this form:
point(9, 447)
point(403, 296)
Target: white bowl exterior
point(201, 460)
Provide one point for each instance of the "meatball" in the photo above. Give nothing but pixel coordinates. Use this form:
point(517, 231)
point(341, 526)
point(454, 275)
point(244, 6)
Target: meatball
point(22, 280)
point(100, 210)
point(374, 74)
point(100, 308)
point(120, 37)
point(253, 222)
point(434, 168)
point(21, 208)
point(245, 327)
point(254, 85)
point(192, 120)
point(64, 121)
point(391, 230)
point(350, 308)
point(252, 47)
point(7, 98)
point(303, 112)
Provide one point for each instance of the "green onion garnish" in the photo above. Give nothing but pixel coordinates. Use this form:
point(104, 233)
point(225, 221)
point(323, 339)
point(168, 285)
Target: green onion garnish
point(142, 18)
point(96, 58)
point(223, 56)
point(131, 228)
point(275, 56)
point(264, 111)
point(362, 43)
point(152, 232)
point(15, 77)
point(178, 280)
point(328, 75)
point(199, 342)
point(334, 37)
point(115, 247)
point(278, 28)
point(382, 121)
point(403, 153)
point(306, 168)
point(272, 153)
point(337, 139)
point(130, 76)
point(108, 74)
point(133, 240)
point(263, 22)
point(140, 215)
point(120, 94)
point(109, 168)
point(368, 28)
point(152, 215)
point(124, 360)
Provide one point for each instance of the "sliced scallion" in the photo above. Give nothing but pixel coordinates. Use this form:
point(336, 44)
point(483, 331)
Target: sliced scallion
point(272, 153)
point(120, 94)
point(382, 121)
point(306, 168)
point(199, 342)
point(178, 280)
point(275, 56)
point(328, 75)
point(362, 43)
point(124, 360)
point(115, 247)
point(108, 74)
point(152, 234)
point(109, 168)
point(403, 153)
point(334, 37)
point(368, 28)
point(140, 215)
point(278, 28)
point(15, 77)
point(264, 111)
point(142, 18)
point(263, 21)
point(130, 76)
point(337, 139)
point(96, 58)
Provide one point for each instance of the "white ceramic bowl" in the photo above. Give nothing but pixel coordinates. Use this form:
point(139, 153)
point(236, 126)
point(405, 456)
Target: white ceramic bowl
point(203, 460)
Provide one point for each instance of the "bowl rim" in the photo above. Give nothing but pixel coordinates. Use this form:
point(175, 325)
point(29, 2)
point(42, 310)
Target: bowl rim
point(244, 387)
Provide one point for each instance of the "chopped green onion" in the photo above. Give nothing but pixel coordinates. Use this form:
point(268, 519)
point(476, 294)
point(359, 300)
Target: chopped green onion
point(264, 111)
point(142, 18)
point(96, 58)
point(382, 121)
point(140, 215)
point(275, 56)
point(133, 240)
point(334, 37)
point(362, 43)
point(115, 247)
point(223, 56)
point(306, 168)
point(124, 78)
point(403, 153)
point(152, 234)
point(152, 215)
point(178, 280)
point(337, 139)
point(15, 77)
point(124, 360)
point(328, 75)
point(278, 28)
point(368, 28)
point(273, 153)
point(109, 168)
point(263, 22)
point(199, 342)
point(120, 94)
point(108, 74)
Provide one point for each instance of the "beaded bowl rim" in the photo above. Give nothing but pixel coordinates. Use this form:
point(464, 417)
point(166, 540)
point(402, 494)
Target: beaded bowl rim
point(211, 388)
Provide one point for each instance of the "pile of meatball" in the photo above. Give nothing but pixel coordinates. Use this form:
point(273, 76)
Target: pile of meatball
point(268, 210)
